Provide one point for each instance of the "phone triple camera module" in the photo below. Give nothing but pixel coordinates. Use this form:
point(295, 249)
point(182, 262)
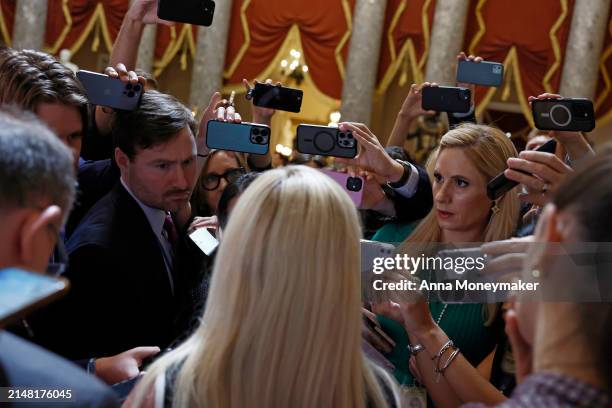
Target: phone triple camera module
point(346, 140)
point(131, 90)
point(354, 184)
point(259, 136)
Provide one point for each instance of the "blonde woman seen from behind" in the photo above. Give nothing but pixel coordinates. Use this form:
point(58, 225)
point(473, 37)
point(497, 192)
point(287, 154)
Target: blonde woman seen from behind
point(282, 326)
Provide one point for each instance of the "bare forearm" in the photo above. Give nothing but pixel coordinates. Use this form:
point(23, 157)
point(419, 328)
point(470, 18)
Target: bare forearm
point(400, 130)
point(125, 49)
point(578, 148)
point(460, 379)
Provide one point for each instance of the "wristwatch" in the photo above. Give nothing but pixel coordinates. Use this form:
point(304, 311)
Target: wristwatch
point(414, 350)
point(407, 170)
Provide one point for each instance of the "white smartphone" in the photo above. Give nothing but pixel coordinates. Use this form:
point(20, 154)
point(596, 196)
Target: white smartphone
point(204, 240)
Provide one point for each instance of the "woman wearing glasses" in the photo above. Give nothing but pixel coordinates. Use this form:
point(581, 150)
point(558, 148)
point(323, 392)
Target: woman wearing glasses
point(221, 168)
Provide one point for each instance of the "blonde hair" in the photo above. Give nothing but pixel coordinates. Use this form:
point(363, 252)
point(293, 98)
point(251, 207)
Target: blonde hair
point(488, 149)
point(282, 326)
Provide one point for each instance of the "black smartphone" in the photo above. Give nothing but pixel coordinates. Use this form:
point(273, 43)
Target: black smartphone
point(484, 73)
point(239, 137)
point(325, 141)
point(567, 114)
point(106, 91)
point(276, 97)
point(500, 184)
point(197, 12)
point(446, 99)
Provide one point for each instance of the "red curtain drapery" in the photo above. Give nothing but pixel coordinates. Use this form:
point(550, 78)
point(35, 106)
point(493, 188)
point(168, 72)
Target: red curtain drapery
point(259, 28)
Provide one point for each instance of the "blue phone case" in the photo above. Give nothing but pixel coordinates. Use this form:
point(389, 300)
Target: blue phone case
point(106, 91)
point(239, 137)
point(483, 73)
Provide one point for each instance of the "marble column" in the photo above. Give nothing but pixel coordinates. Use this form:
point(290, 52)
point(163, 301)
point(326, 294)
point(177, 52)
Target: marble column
point(363, 58)
point(30, 24)
point(209, 62)
point(583, 50)
point(446, 42)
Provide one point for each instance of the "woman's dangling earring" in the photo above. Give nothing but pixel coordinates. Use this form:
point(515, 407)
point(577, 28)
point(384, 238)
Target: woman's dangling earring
point(495, 207)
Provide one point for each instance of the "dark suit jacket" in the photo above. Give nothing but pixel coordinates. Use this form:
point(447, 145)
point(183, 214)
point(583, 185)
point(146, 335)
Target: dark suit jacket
point(27, 365)
point(120, 294)
point(416, 207)
point(95, 180)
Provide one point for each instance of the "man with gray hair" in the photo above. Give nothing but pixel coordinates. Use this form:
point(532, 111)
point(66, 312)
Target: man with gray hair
point(37, 188)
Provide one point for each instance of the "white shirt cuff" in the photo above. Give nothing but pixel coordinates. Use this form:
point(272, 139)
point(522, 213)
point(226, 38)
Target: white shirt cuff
point(410, 188)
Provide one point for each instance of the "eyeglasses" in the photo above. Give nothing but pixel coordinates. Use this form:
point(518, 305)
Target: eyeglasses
point(211, 181)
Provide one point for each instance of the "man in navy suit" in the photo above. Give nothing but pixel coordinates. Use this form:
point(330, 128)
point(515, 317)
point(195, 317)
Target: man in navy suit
point(133, 271)
point(37, 188)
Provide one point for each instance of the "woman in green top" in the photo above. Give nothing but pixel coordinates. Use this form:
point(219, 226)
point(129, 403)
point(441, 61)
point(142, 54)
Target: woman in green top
point(467, 158)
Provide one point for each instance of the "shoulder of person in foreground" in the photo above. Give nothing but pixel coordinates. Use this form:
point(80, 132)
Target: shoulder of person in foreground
point(27, 365)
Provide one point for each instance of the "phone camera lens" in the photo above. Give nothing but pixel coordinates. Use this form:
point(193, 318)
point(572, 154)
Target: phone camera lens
point(341, 135)
point(255, 131)
point(258, 139)
point(136, 87)
point(128, 86)
point(354, 184)
point(264, 132)
point(131, 94)
point(349, 135)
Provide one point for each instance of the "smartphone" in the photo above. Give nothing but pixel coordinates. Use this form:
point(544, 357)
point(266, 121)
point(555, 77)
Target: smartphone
point(106, 91)
point(22, 292)
point(371, 250)
point(480, 73)
point(500, 184)
point(375, 328)
point(197, 12)
point(325, 141)
point(352, 185)
point(567, 114)
point(239, 137)
point(446, 99)
point(204, 240)
point(276, 97)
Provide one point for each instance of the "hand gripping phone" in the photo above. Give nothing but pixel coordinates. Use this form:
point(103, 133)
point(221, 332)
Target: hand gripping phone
point(106, 91)
point(276, 97)
point(326, 141)
point(352, 185)
point(566, 114)
point(446, 99)
point(197, 12)
point(22, 292)
point(239, 137)
point(500, 184)
point(480, 73)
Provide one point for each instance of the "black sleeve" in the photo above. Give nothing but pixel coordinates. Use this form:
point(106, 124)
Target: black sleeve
point(411, 209)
